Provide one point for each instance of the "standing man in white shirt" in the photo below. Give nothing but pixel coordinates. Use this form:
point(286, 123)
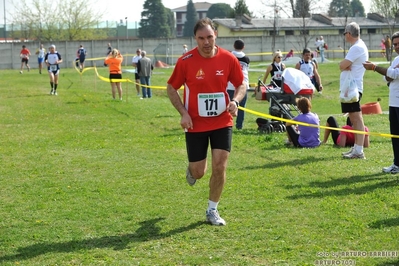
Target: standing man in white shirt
point(353, 65)
point(135, 60)
point(40, 52)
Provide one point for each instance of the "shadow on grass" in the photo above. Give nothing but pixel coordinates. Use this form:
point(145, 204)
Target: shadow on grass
point(278, 164)
point(385, 223)
point(149, 230)
point(389, 263)
point(347, 190)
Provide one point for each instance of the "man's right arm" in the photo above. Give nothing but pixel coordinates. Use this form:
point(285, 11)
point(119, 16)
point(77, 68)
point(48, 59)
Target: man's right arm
point(175, 99)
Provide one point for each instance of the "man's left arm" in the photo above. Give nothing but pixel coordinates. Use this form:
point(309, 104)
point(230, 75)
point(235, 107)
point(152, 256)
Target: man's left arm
point(239, 94)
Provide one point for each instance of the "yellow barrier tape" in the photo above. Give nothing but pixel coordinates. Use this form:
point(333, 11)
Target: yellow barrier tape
point(385, 135)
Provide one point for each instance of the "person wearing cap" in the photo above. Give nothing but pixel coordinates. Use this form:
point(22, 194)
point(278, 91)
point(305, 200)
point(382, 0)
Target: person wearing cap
point(53, 60)
point(244, 62)
point(353, 65)
point(135, 60)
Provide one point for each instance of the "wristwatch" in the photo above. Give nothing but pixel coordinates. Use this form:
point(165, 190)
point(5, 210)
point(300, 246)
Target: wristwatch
point(236, 102)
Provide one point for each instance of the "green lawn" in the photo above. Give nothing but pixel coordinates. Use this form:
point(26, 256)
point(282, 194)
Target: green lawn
point(85, 180)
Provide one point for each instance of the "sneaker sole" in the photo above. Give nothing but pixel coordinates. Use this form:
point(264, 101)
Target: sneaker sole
point(347, 157)
point(189, 178)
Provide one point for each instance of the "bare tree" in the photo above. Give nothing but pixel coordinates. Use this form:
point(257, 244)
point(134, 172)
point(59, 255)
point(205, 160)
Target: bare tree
point(389, 9)
point(57, 20)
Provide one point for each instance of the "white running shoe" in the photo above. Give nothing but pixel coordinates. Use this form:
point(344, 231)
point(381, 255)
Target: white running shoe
point(213, 217)
point(354, 155)
point(52, 92)
point(190, 179)
point(348, 152)
point(393, 169)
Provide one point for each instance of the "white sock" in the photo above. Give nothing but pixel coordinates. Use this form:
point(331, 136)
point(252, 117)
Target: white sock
point(358, 148)
point(212, 205)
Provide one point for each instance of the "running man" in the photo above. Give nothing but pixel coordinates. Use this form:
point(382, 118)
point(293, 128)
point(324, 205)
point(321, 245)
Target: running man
point(52, 60)
point(24, 54)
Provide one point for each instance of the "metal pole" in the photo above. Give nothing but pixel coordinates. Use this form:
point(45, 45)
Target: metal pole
point(5, 30)
point(126, 29)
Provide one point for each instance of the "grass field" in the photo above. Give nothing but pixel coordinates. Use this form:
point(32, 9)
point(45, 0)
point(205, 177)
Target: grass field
point(85, 180)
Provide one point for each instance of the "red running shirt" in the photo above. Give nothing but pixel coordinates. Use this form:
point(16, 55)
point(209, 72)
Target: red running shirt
point(205, 82)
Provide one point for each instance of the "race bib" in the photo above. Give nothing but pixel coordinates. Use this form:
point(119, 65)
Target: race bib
point(211, 104)
point(277, 75)
point(53, 67)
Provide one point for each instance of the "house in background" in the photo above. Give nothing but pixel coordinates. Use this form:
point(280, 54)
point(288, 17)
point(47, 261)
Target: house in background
point(181, 12)
point(317, 24)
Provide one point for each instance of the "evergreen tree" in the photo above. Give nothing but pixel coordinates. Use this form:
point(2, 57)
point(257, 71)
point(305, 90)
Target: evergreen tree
point(302, 9)
point(340, 8)
point(357, 8)
point(171, 21)
point(154, 20)
point(219, 11)
point(241, 8)
point(191, 19)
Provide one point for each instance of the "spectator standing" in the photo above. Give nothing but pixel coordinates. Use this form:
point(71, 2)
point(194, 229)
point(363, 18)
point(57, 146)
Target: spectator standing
point(24, 55)
point(135, 60)
point(382, 44)
point(114, 62)
point(321, 48)
point(82, 57)
point(53, 60)
point(275, 69)
point(353, 64)
point(206, 113)
point(316, 44)
point(40, 52)
point(244, 62)
point(307, 66)
point(391, 75)
point(388, 48)
point(144, 68)
point(185, 50)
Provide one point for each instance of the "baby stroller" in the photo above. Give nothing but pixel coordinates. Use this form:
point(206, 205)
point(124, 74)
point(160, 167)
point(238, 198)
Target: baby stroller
point(295, 84)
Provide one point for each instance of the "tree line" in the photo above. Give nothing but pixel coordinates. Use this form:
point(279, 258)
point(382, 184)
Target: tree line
point(59, 20)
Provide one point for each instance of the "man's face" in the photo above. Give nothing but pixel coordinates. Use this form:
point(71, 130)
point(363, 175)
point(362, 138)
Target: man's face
point(395, 44)
point(206, 38)
point(307, 57)
point(138, 52)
